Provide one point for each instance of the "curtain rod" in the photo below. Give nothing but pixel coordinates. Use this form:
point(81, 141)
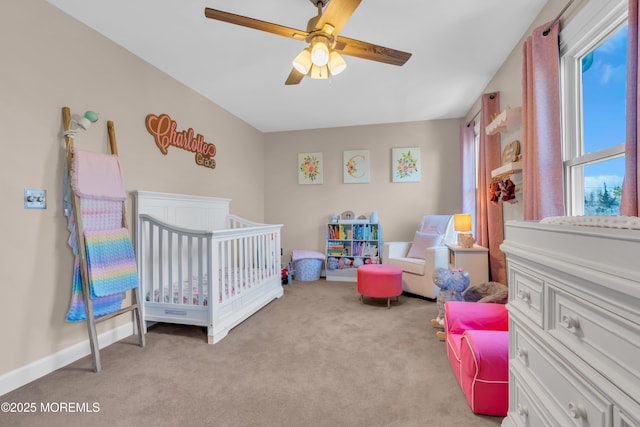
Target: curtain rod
point(473, 118)
point(557, 18)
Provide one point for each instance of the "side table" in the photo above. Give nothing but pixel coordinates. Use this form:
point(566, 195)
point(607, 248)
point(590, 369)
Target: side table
point(473, 260)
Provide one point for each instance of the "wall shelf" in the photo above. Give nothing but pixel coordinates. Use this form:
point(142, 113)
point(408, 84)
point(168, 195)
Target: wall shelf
point(505, 171)
point(506, 121)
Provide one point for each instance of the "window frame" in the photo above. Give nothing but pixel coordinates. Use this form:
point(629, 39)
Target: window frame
point(594, 23)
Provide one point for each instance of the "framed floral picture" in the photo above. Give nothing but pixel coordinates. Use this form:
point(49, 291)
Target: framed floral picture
point(355, 167)
point(405, 164)
point(310, 168)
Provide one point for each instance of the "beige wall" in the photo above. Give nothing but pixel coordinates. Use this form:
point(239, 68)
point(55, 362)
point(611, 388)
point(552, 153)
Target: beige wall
point(305, 209)
point(49, 60)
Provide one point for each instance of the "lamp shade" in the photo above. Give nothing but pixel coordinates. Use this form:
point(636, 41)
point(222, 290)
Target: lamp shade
point(319, 51)
point(319, 72)
point(302, 62)
point(336, 63)
point(462, 222)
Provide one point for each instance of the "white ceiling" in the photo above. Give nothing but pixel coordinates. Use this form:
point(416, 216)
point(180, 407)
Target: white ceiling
point(457, 47)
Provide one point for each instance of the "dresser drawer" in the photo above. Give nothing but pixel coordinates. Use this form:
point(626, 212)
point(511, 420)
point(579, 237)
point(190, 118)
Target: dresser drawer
point(524, 409)
point(526, 292)
point(579, 402)
point(608, 342)
point(623, 419)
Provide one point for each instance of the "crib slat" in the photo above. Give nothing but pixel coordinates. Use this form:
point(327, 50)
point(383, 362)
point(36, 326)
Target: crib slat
point(236, 266)
point(224, 292)
point(149, 262)
point(161, 259)
point(190, 267)
point(228, 271)
point(211, 297)
point(169, 259)
point(263, 250)
point(200, 272)
point(214, 280)
point(243, 262)
point(254, 260)
point(267, 256)
point(178, 259)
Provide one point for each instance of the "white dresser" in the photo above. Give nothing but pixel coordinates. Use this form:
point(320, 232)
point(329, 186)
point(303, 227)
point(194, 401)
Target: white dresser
point(574, 325)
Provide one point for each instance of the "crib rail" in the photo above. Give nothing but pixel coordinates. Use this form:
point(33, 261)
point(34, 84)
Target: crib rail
point(175, 263)
point(245, 257)
point(238, 222)
point(181, 266)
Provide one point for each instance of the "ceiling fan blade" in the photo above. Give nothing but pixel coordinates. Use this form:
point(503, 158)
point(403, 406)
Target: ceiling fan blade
point(336, 14)
point(255, 24)
point(359, 49)
point(294, 78)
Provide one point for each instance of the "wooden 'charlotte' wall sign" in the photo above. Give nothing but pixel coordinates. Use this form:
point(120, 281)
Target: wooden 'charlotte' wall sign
point(164, 131)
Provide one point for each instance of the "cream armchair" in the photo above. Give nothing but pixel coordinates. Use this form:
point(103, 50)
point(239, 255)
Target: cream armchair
point(421, 257)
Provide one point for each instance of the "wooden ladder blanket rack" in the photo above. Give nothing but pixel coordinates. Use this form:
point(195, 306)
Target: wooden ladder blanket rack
point(134, 307)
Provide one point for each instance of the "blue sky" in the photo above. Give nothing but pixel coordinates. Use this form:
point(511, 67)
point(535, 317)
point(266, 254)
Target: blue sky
point(604, 84)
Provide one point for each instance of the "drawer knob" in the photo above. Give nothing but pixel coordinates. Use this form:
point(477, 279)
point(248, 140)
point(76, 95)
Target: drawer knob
point(522, 352)
point(577, 411)
point(524, 296)
point(522, 411)
point(569, 322)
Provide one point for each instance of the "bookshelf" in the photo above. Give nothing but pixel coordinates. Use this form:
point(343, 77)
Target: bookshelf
point(349, 245)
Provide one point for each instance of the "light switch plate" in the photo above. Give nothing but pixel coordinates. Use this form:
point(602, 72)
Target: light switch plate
point(35, 199)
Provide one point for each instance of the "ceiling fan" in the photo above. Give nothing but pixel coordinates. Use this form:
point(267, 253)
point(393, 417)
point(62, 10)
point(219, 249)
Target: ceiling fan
point(322, 57)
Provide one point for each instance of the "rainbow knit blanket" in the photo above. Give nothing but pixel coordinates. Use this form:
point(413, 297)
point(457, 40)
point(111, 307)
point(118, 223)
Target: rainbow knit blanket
point(101, 306)
point(112, 270)
point(111, 262)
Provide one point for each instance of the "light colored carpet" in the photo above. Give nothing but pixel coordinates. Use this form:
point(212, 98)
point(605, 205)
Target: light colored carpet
point(315, 357)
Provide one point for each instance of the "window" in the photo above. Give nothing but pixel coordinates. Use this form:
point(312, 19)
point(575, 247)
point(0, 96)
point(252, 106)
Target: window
point(593, 74)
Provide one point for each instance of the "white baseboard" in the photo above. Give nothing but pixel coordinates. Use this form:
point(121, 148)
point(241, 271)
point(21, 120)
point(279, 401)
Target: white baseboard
point(34, 370)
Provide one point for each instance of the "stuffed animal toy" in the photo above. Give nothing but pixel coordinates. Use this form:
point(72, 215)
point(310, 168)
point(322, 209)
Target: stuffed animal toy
point(491, 292)
point(452, 284)
point(341, 263)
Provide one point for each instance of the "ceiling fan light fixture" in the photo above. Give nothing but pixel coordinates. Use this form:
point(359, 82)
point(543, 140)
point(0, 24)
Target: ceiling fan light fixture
point(302, 62)
point(321, 37)
point(319, 72)
point(320, 50)
point(336, 63)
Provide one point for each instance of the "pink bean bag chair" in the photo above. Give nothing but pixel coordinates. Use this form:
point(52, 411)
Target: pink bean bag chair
point(477, 341)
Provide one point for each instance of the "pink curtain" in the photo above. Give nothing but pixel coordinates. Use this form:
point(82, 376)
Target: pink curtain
point(542, 184)
point(631, 184)
point(490, 231)
point(468, 168)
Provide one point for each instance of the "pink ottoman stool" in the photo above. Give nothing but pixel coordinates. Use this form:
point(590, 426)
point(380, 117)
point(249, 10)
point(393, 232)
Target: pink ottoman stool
point(379, 281)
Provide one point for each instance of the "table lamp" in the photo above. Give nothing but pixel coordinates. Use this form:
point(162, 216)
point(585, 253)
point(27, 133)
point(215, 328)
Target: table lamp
point(462, 225)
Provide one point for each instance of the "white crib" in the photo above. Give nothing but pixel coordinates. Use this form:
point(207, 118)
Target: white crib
point(199, 265)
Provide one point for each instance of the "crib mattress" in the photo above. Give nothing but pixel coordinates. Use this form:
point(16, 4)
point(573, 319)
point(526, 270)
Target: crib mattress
point(175, 295)
point(230, 283)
